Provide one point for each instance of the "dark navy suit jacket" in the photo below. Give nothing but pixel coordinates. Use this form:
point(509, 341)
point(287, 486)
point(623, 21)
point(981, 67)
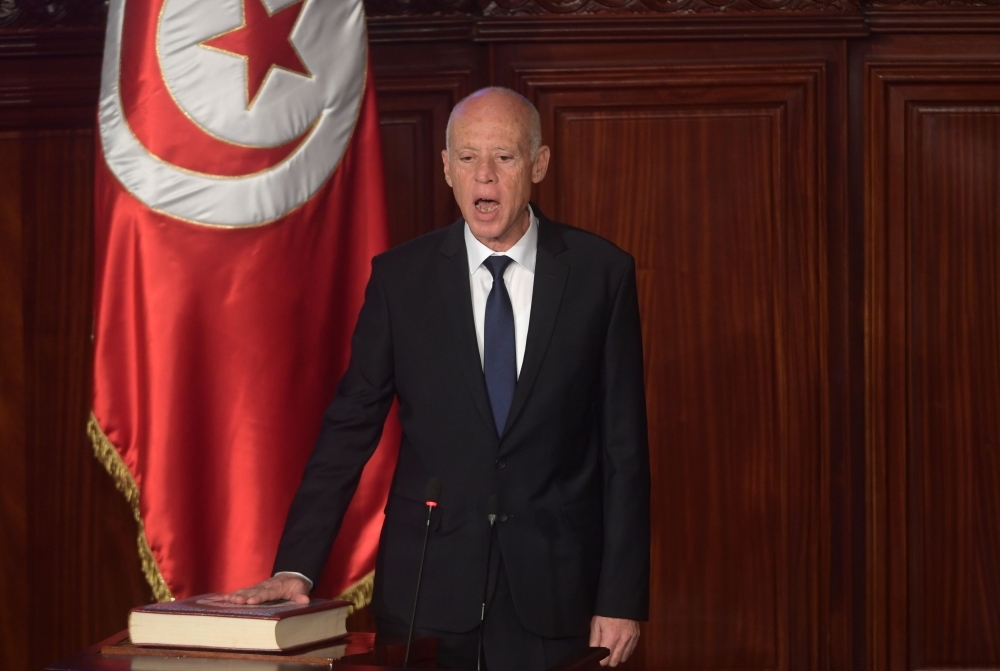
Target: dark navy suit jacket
point(570, 469)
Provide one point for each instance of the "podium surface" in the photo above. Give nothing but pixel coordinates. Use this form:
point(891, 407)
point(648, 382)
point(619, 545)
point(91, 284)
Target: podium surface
point(93, 659)
point(97, 658)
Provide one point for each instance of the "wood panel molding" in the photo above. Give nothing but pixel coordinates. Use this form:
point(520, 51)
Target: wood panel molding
point(933, 4)
point(686, 125)
point(23, 14)
point(59, 95)
point(931, 241)
point(48, 43)
point(615, 27)
point(933, 16)
point(584, 7)
point(23, 21)
point(14, 517)
point(400, 79)
point(552, 89)
point(50, 79)
point(413, 110)
point(782, 24)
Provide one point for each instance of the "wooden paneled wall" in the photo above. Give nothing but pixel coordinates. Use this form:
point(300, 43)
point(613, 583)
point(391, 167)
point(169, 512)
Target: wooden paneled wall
point(714, 173)
point(724, 172)
point(68, 564)
point(810, 190)
point(932, 289)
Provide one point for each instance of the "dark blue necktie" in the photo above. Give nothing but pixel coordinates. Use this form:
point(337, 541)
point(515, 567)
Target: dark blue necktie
point(499, 350)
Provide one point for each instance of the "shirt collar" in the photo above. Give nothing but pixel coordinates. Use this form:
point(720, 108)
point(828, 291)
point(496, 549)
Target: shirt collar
point(523, 252)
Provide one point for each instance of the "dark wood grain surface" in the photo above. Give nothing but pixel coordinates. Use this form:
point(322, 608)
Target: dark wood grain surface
point(719, 173)
point(815, 224)
point(13, 473)
point(954, 365)
point(78, 570)
point(933, 309)
point(708, 270)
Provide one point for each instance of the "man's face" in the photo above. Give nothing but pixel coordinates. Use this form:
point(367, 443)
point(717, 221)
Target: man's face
point(490, 168)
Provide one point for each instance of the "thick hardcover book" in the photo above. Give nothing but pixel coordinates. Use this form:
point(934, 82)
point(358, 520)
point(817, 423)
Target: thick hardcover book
point(207, 621)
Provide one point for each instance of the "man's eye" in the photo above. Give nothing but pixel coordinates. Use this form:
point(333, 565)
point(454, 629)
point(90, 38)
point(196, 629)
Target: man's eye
point(465, 159)
point(504, 159)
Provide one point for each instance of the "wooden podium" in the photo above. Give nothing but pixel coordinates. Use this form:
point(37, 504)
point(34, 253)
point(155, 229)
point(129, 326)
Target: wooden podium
point(115, 654)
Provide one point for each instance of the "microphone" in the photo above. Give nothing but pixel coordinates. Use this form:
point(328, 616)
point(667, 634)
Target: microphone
point(433, 493)
point(491, 515)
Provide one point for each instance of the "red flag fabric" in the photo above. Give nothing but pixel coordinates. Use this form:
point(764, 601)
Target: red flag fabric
point(239, 200)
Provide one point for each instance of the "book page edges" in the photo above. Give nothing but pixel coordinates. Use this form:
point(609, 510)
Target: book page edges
point(234, 633)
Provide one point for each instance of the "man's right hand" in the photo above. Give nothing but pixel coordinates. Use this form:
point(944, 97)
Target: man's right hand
point(281, 586)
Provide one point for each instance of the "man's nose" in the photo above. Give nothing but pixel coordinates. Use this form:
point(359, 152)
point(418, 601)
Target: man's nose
point(484, 172)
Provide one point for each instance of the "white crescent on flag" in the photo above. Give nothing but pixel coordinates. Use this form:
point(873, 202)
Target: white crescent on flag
point(219, 337)
point(320, 106)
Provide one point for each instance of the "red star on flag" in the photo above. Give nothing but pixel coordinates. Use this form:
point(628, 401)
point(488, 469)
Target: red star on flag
point(263, 42)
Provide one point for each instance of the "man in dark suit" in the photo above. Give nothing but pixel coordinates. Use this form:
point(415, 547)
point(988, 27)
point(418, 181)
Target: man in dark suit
point(513, 345)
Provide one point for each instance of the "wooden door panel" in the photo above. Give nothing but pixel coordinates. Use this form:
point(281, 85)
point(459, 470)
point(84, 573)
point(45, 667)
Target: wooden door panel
point(708, 316)
point(955, 382)
point(934, 303)
point(711, 178)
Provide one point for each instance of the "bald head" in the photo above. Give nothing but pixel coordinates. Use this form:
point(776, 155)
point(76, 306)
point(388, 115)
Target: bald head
point(493, 157)
point(499, 99)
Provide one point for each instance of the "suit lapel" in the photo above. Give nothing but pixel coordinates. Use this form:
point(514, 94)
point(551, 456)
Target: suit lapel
point(453, 280)
point(546, 295)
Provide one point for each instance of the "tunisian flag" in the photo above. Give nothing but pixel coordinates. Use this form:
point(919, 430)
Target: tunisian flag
point(239, 201)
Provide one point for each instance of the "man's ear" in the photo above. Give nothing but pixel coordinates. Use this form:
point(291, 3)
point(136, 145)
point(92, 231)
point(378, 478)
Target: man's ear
point(541, 164)
point(447, 167)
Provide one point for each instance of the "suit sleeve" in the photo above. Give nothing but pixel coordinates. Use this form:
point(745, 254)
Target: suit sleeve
point(623, 590)
point(351, 429)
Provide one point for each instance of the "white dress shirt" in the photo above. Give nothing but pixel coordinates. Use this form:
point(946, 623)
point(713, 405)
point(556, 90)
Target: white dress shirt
point(519, 278)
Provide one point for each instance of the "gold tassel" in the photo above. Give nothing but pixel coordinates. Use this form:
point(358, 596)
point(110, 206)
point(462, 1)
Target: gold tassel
point(359, 594)
point(108, 457)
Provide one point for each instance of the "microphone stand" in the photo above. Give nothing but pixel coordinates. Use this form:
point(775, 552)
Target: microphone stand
point(433, 493)
point(491, 515)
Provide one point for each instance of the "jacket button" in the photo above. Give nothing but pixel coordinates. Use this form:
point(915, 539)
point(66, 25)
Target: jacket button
point(501, 463)
point(503, 517)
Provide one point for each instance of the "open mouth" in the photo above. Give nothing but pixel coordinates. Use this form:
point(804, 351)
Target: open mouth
point(485, 205)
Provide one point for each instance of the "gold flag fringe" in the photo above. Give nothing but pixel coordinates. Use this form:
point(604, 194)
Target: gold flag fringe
point(359, 594)
point(112, 461)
